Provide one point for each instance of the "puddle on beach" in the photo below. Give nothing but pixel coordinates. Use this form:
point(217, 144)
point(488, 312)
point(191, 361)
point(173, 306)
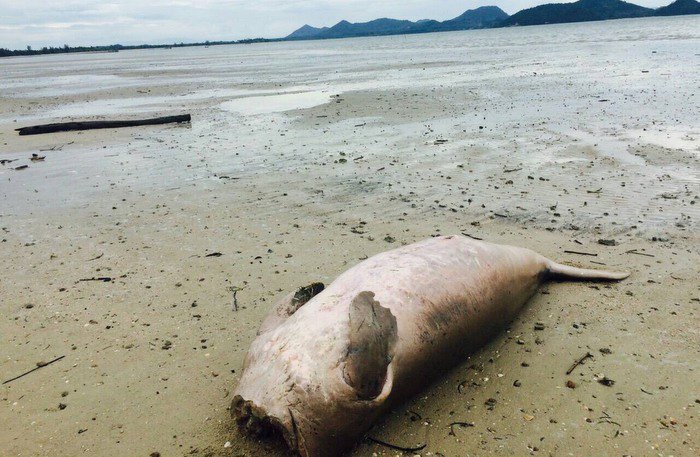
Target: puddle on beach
point(672, 138)
point(243, 101)
point(607, 144)
point(251, 106)
point(103, 107)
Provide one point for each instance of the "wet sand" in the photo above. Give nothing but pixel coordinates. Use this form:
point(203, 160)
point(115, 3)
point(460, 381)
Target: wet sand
point(552, 138)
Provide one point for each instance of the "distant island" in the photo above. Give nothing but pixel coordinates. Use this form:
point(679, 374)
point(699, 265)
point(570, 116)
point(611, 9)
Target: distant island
point(484, 17)
point(493, 16)
point(479, 18)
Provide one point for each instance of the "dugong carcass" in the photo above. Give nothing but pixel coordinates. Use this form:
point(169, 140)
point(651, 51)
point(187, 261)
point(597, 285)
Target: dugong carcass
point(327, 363)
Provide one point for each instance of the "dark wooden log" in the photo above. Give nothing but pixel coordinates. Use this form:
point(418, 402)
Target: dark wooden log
point(92, 125)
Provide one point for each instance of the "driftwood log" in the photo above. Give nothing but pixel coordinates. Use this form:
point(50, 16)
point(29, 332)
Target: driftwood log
point(92, 125)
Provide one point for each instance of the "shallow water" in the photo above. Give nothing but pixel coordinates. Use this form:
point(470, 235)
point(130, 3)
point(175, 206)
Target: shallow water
point(280, 103)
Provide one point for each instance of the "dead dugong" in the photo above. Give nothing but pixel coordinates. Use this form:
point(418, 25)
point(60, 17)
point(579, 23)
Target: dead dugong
point(327, 363)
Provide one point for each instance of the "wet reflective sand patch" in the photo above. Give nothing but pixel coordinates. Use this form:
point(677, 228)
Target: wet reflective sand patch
point(251, 106)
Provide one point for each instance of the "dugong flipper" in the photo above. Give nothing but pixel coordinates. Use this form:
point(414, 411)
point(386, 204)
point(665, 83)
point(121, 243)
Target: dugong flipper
point(327, 363)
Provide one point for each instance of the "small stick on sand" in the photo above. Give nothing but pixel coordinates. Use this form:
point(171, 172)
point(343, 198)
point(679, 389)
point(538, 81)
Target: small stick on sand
point(395, 447)
point(581, 253)
point(460, 424)
point(104, 279)
point(634, 251)
point(38, 366)
point(235, 290)
point(579, 362)
point(58, 147)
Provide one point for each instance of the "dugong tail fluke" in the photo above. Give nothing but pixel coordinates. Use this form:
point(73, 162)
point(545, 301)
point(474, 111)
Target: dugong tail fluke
point(557, 270)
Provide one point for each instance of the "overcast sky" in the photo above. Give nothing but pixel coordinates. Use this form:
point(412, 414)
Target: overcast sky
point(85, 22)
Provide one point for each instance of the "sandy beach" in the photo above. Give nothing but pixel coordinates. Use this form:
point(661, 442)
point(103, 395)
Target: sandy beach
point(121, 249)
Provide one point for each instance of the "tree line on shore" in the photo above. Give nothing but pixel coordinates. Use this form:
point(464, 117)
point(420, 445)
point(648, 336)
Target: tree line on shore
point(29, 51)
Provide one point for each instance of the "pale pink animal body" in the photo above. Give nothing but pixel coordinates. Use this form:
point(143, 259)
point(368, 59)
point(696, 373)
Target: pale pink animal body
point(327, 363)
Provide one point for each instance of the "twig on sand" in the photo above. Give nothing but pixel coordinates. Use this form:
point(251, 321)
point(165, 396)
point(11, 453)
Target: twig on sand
point(38, 366)
point(415, 416)
point(471, 236)
point(459, 424)
point(581, 253)
point(57, 147)
point(104, 279)
point(607, 419)
point(395, 447)
point(235, 290)
point(588, 355)
point(634, 251)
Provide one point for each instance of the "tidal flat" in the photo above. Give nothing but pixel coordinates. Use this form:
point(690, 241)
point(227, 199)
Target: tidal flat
point(580, 141)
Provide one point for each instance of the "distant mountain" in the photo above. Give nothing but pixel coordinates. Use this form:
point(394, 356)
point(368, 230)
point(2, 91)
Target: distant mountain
point(493, 16)
point(678, 8)
point(479, 18)
point(306, 32)
point(483, 17)
point(581, 11)
point(384, 26)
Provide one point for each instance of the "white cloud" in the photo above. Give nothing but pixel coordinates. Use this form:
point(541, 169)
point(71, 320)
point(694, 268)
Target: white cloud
point(86, 22)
